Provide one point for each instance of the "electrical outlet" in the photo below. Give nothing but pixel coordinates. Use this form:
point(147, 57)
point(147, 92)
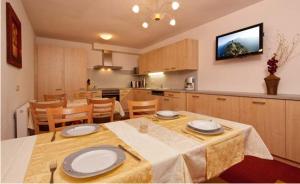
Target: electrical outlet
point(18, 88)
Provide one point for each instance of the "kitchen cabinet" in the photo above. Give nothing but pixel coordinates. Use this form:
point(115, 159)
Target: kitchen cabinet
point(75, 70)
point(198, 103)
point(175, 101)
point(125, 95)
point(141, 94)
point(60, 70)
point(182, 55)
point(50, 70)
point(225, 107)
point(293, 130)
point(267, 116)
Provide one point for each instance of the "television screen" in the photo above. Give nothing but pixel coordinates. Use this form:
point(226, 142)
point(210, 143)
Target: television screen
point(240, 43)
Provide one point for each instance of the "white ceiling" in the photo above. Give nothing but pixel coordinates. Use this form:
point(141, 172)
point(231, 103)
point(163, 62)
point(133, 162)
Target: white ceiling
point(82, 20)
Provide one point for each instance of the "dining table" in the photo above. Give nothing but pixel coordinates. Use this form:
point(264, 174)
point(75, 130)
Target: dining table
point(77, 103)
point(167, 150)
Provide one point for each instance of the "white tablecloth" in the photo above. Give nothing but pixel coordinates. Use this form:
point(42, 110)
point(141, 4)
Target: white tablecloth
point(77, 103)
point(165, 155)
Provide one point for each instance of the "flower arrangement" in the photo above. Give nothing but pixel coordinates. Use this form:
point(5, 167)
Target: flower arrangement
point(283, 52)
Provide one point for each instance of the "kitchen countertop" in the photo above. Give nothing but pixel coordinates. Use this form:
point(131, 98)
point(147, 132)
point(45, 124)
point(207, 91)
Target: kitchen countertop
point(228, 93)
point(223, 93)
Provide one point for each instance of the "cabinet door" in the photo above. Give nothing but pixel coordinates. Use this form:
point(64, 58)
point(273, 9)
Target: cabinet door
point(142, 62)
point(268, 118)
point(198, 103)
point(166, 103)
point(293, 130)
point(75, 70)
point(50, 70)
point(225, 107)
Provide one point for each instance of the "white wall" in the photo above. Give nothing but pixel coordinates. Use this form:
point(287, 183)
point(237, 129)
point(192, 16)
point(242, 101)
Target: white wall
point(11, 76)
point(246, 74)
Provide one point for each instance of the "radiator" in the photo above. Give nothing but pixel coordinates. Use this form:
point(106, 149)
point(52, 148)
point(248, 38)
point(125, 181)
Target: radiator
point(21, 120)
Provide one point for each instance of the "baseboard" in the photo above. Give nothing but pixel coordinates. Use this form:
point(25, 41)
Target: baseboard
point(286, 161)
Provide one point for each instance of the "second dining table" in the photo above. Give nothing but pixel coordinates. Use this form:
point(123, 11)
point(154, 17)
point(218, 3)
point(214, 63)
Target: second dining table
point(77, 103)
point(168, 152)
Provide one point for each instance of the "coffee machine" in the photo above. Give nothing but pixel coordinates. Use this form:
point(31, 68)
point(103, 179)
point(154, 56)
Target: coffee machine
point(190, 83)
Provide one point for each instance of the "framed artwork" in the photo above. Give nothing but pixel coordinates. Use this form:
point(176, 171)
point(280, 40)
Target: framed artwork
point(14, 39)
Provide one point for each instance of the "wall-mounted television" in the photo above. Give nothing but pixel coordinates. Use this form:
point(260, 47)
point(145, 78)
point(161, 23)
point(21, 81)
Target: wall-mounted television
point(240, 43)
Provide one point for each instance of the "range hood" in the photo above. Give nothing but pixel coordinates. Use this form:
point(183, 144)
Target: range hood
point(107, 61)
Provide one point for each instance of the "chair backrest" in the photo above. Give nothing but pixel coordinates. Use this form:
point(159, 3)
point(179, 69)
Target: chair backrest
point(39, 112)
point(142, 108)
point(61, 97)
point(62, 115)
point(103, 107)
point(83, 95)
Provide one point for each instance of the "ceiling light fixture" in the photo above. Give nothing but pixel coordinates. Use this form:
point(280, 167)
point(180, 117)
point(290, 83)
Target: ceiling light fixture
point(172, 22)
point(145, 25)
point(135, 8)
point(159, 10)
point(105, 36)
point(175, 5)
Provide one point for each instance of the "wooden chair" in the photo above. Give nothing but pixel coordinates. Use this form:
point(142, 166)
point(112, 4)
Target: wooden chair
point(141, 108)
point(63, 115)
point(83, 95)
point(61, 97)
point(103, 108)
point(39, 113)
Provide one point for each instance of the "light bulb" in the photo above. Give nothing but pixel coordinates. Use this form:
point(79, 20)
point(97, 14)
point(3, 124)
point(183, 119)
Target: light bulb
point(175, 5)
point(145, 25)
point(135, 8)
point(105, 36)
point(172, 22)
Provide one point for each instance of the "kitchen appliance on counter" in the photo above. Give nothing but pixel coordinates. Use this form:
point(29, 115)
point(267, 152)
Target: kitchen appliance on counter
point(190, 83)
point(111, 93)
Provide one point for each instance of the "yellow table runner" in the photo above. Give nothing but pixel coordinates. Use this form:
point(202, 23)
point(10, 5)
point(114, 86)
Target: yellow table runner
point(44, 151)
point(222, 151)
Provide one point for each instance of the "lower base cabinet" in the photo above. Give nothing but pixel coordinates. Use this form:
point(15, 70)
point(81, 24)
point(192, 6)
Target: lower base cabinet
point(225, 107)
point(293, 130)
point(267, 116)
point(198, 103)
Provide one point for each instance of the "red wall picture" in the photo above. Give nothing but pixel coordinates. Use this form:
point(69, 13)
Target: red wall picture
point(14, 39)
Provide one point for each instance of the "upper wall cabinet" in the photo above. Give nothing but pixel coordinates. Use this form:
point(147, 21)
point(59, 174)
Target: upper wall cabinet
point(182, 55)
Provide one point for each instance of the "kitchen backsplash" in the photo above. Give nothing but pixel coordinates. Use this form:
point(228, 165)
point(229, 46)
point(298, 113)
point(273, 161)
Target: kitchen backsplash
point(111, 79)
point(122, 79)
point(174, 80)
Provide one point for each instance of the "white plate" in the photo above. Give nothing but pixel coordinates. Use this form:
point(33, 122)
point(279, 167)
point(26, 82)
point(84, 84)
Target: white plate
point(93, 161)
point(204, 125)
point(167, 113)
point(216, 132)
point(79, 130)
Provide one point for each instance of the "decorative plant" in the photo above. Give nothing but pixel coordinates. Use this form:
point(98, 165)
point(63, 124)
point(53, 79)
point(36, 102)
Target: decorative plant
point(283, 52)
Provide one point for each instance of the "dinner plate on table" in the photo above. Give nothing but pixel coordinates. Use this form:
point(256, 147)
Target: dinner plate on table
point(206, 127)
point(93, 161)
point(167, 115)
point(79, 130)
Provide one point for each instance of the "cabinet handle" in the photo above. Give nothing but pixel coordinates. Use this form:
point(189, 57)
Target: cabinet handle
point(166, 99)
point(173, 68)
point(166, 68)
point(170, 95)
point(195, 96)
point(221, 99)
point(58, 89)
point(257, 102)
